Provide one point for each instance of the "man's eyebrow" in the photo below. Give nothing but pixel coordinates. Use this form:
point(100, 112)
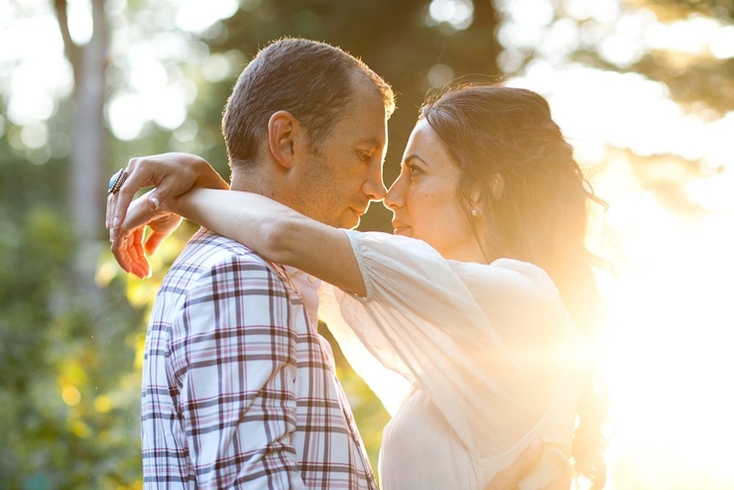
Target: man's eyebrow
point(370, 141)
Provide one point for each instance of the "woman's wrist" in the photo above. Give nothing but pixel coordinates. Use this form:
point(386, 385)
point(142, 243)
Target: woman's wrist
point(207, 177)
point(170, 205)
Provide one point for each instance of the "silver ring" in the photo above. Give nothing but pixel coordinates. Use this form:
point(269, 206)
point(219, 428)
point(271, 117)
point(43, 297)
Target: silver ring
point(116, 181)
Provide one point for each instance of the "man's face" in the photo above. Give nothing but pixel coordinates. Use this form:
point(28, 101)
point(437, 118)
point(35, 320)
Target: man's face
point(338, 181)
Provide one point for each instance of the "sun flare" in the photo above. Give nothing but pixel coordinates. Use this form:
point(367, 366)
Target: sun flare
point(667, 348)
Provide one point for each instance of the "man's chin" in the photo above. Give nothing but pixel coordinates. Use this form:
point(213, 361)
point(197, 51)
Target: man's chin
point(350, 219)
point(352, 224)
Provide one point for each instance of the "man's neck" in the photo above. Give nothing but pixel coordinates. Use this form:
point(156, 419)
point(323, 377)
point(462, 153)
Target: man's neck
point(253, 181)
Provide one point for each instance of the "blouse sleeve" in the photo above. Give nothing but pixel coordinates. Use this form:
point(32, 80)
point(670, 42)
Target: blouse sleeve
point(428, 320)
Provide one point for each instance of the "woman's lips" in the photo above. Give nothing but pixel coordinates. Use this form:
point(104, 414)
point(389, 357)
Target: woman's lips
point(399, 228)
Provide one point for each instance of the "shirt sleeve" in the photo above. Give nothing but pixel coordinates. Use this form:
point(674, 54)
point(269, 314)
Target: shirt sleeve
point(424, 319)
point(235, 365)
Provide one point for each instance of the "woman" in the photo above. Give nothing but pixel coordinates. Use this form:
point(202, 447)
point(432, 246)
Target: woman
point(480, 301)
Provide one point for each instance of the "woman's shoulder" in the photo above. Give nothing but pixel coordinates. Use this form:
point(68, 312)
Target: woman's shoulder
point(511, 285)
point(521, 301)
point(508, 273)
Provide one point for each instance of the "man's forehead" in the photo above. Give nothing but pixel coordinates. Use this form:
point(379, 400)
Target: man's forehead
point(371, 141)
point(365, 116)
point(364, 128)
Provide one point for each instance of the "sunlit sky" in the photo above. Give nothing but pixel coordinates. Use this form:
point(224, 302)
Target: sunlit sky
point(671, 323)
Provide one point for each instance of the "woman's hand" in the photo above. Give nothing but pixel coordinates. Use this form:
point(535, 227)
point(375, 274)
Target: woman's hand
point(172, 174)
point(128, 245)
point(510, 477)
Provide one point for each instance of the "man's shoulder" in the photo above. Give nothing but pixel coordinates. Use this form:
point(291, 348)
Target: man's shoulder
point(207, 247)
point(208, 253)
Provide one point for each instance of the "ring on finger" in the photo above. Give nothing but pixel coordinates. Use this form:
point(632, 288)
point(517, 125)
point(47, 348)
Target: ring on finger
point(116, 181)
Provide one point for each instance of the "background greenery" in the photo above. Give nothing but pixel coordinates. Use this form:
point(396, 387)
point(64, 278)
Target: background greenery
point(72, 325)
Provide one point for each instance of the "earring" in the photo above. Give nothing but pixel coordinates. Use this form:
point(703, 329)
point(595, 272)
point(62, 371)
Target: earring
point(475, 212)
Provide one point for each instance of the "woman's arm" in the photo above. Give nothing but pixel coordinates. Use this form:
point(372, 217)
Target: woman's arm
point(271, 229)
point(276, 232)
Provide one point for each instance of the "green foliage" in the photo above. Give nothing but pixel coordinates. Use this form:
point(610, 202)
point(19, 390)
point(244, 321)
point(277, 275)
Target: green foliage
point(68, 392)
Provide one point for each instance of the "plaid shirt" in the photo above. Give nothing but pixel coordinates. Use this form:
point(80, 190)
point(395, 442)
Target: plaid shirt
point(238, 389)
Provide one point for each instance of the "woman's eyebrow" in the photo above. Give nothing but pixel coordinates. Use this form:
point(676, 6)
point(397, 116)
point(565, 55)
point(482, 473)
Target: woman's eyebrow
point(415, 156)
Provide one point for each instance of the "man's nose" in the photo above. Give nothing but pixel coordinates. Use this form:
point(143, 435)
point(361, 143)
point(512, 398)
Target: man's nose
point(373, 187)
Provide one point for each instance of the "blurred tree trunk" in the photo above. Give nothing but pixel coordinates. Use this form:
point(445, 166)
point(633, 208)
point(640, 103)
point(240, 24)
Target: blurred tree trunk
point(88, 150)
point(475, 49)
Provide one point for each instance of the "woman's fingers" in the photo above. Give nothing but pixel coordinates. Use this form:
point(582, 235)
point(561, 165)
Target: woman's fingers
point(161, 229)
point(141, 173)
point(510, 477)
point(129, 246)
point(129, 253)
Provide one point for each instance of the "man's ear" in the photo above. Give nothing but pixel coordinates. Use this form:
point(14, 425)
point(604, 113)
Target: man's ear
point(284, 132)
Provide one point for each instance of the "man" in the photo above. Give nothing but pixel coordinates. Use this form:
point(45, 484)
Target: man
point(238, 387)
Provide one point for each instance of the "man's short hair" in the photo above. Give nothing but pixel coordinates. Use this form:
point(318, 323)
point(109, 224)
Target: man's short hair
point(311, 80)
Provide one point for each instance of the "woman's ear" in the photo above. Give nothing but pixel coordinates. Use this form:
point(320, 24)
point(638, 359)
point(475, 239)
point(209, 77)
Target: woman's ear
point(497, 184)
point(283, 132)
point(477, 200)
point(496, 187)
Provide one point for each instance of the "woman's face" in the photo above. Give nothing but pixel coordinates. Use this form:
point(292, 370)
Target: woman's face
point(423, 198)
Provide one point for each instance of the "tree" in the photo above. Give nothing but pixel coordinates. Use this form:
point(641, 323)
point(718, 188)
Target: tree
point(89, 148)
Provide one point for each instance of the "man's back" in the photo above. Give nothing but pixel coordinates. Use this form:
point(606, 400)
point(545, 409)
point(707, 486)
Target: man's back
point(237, 389)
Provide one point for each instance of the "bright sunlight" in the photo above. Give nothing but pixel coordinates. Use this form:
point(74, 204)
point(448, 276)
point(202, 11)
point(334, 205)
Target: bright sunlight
point(670, 321)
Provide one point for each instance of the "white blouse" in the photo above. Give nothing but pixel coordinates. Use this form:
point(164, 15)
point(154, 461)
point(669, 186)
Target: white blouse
point(472, 361)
